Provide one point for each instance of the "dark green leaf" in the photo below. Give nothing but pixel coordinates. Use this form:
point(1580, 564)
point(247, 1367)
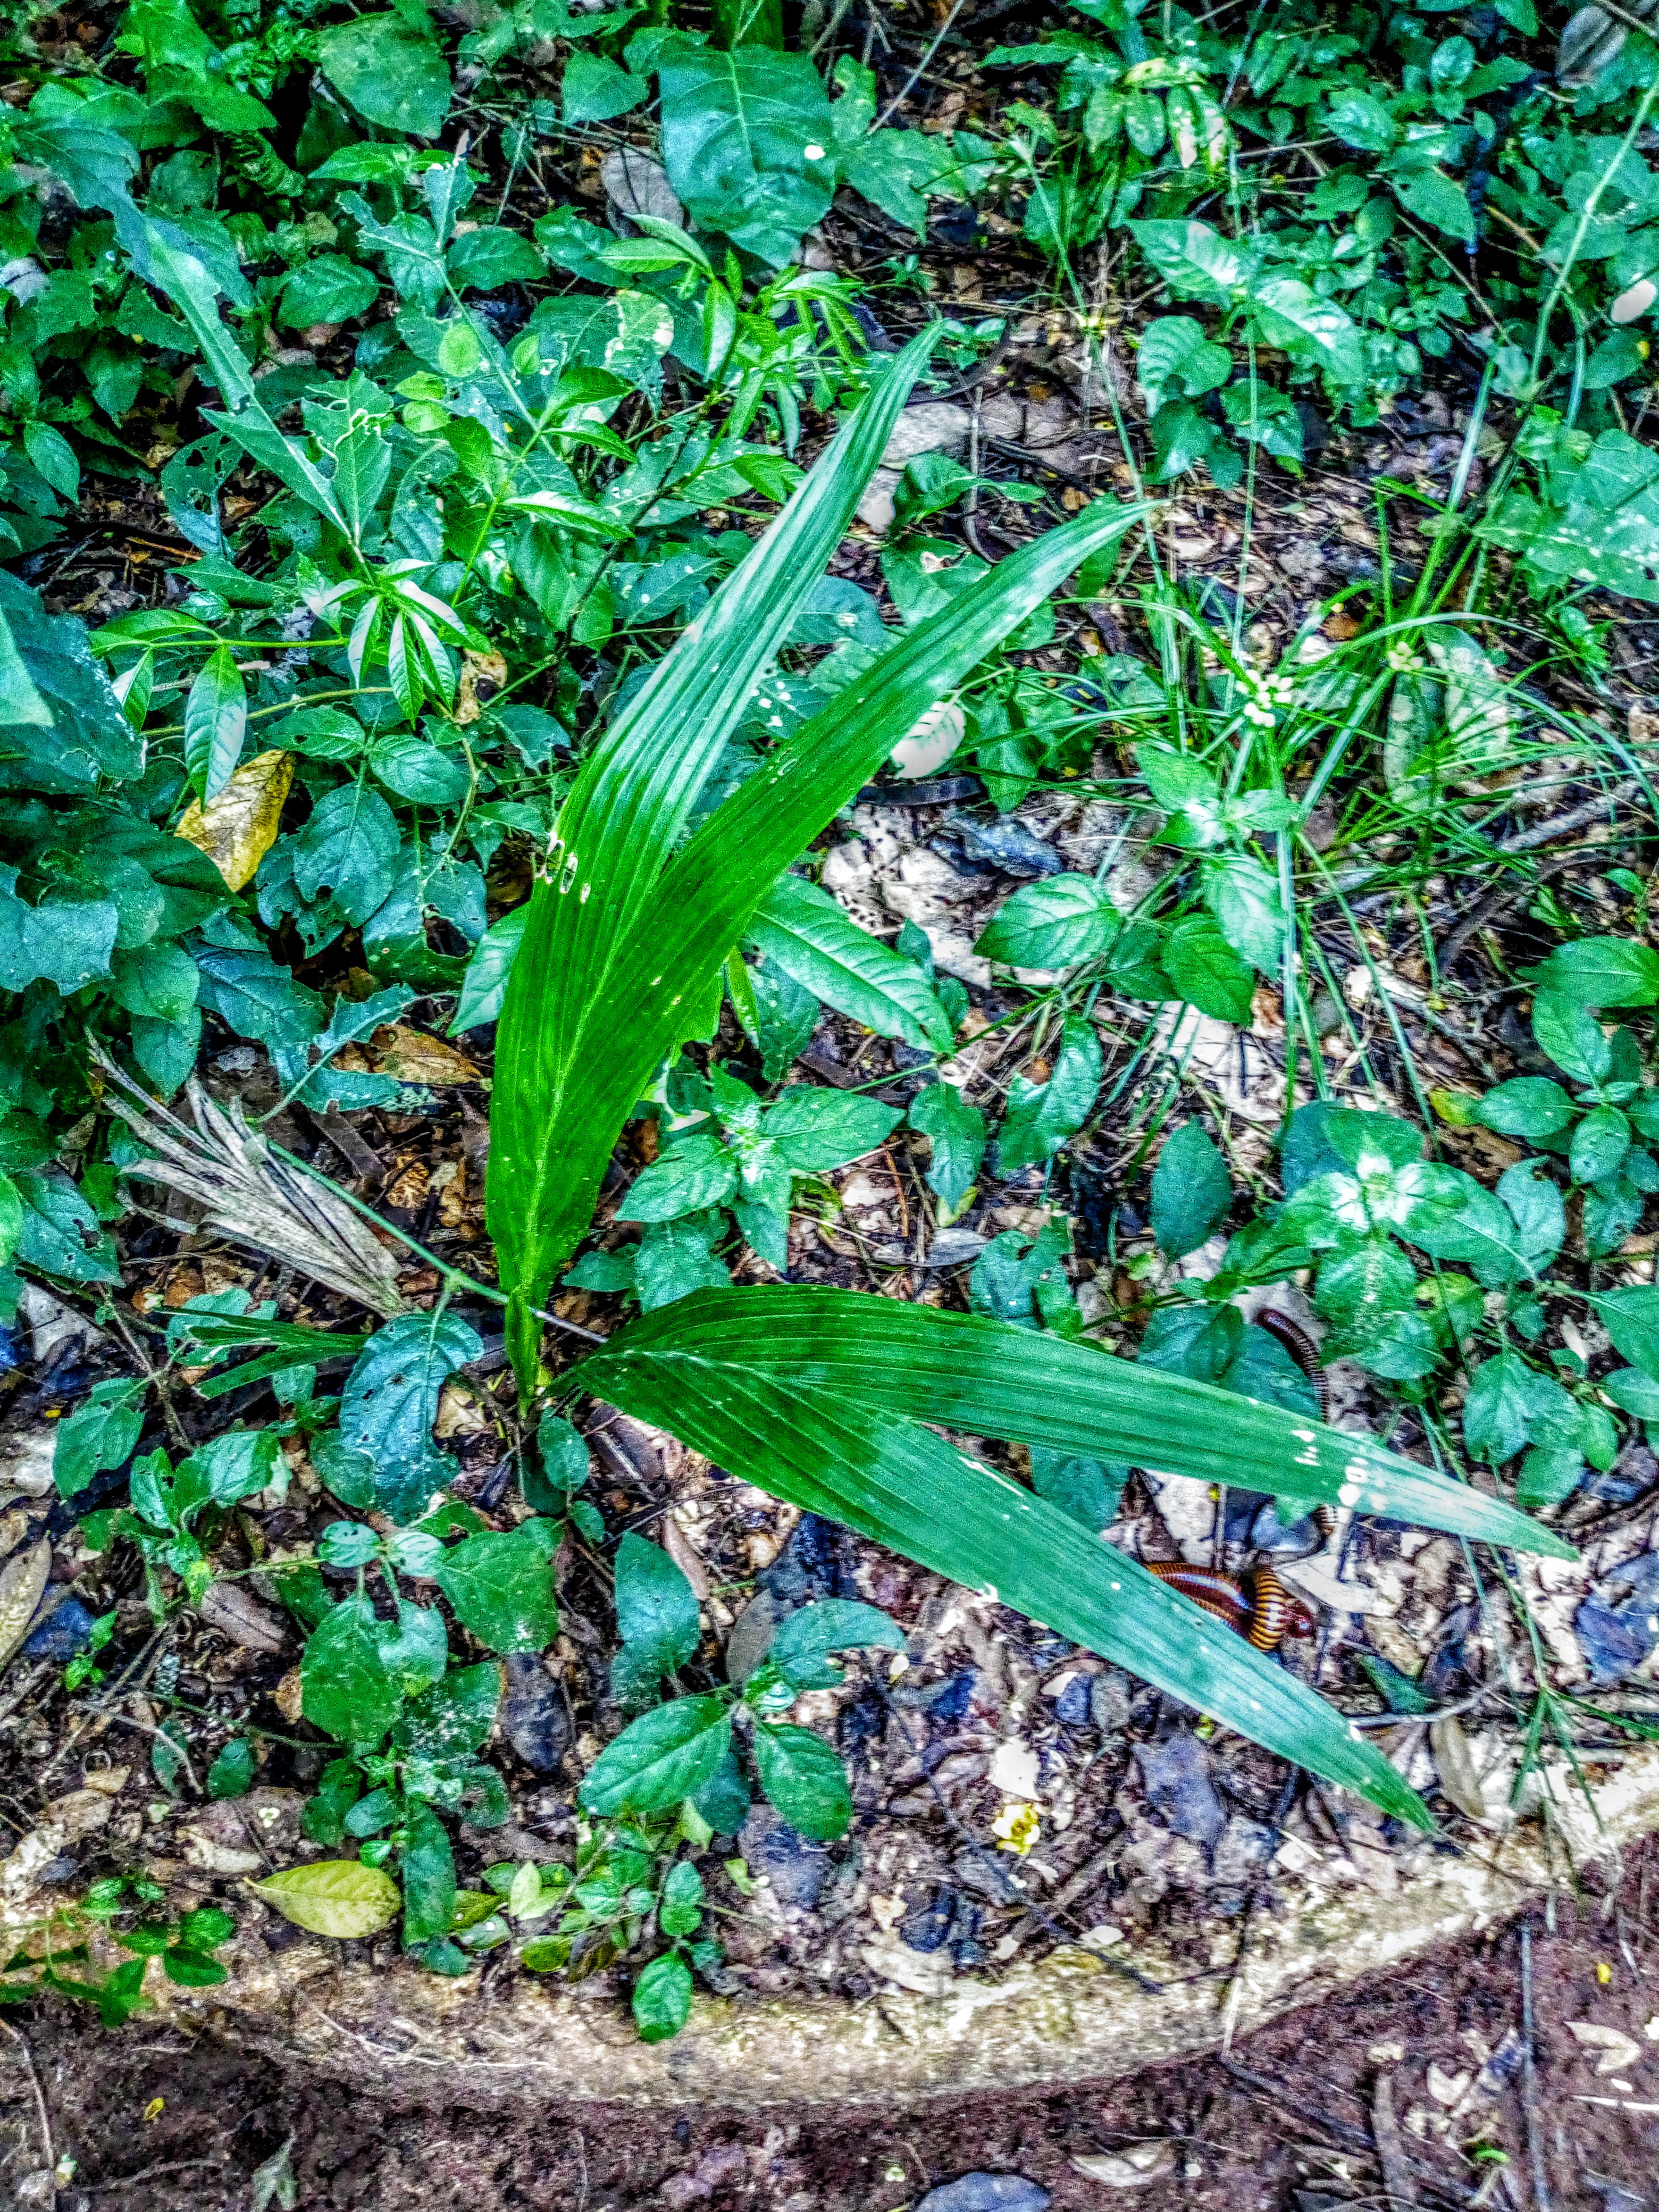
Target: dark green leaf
point(391, 1401)
point(1191, 1191)
point(804, 1779)
point(657, 1760)
point(1058, 922)
point(812, 939)
point(501, 1587)
point(345, 1689)
point(390, 71)
point(215, 722)
point(662, 1998)
point(232, 1772)
point(956, 1131)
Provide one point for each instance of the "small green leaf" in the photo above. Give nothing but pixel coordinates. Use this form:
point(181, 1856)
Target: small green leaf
point(391, 1401)
point(428, 1872)
point(1042, 1118)
point(662, 1757)
point(656, 1607)
point(1058, 922)
point(345, 1689)
point(805, 1639)
point(804, 1779)
point(232, 1772)
point(501, 1587)
point(662, 1998)
point(215, 722)
point(390, 71)
point(1206, 971)
point(956, 1131)
point(680, 1909)
point(1601, 971)
point(1191, 1191)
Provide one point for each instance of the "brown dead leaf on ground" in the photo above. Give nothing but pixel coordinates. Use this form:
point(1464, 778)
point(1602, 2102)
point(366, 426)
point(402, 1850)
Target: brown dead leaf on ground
point(414, 1057)
point(486, 668)
point(238, 827)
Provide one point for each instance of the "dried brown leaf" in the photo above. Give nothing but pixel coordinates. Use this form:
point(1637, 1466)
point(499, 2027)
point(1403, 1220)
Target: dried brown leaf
point(238, 827)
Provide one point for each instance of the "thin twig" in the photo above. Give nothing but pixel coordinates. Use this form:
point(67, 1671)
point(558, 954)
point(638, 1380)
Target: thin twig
point(1540, 2187)
point(41, 2113)
point(152, 2173)
point(904, 90)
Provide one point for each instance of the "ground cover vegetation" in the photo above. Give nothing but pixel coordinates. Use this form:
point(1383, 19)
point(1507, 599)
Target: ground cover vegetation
point(539, 581)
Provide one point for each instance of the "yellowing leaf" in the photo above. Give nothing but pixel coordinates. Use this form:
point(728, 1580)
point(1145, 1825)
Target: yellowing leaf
point(478, 668)
point(342, 1897)
point(23, 1585)
point(414, 1057)
point(238, 827)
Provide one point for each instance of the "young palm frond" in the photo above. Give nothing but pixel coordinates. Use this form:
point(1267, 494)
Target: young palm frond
point(253, 1196)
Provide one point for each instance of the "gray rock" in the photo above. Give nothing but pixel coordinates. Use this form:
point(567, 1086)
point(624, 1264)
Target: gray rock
point(927, 1929)
point(535, 1719)
point(1269, 1532)
point(797, 1869)
point(1074, 1702)
point(1108, 1700)
point(987, 2192)
point(1007, 844)
point(1242, 1849)
point(1176, 1776)
point(1618, 1624)
point(954, 1247)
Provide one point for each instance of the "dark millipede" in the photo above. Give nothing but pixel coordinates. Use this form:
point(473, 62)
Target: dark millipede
point(1256, 1604)
point(1305, 1353)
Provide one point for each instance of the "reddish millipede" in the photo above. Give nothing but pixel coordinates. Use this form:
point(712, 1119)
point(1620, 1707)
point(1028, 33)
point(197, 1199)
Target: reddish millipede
point(1256, 1604)
point(1302, 1349)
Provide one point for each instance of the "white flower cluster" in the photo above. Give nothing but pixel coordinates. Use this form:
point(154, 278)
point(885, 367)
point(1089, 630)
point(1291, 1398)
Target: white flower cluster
point(1266, 696)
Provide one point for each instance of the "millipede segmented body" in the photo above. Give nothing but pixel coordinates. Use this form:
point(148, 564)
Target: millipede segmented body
point(1256, 1604)
point(1305, 1353)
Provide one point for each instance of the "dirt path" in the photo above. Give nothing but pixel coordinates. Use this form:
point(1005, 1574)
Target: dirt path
point(1292, 2126)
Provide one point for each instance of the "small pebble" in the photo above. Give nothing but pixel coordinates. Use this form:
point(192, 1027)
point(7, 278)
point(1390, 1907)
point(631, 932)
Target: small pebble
point(63, 1634)
point(1176, 1776)
point(1618, 1624)
point(1109, 1701)
point(797, 1869)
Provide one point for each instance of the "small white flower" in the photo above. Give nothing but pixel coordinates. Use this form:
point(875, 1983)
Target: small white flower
point(813, 153)
point(1017, 1828)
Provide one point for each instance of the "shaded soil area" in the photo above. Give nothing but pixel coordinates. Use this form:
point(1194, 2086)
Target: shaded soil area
point(1296, 2119)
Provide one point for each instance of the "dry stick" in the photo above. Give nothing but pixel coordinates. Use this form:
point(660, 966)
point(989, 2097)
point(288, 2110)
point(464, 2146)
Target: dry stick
point(1540, 2187)
point(151, 2174)
point(1546, 833)
point(1391, 2151)
point(904, 90)
point(41, 2113)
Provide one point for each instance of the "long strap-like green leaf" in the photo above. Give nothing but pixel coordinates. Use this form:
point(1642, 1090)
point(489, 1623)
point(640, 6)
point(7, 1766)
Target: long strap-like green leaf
point(986, 1378)
point(552, 1127)
point(836, 1451)
point(623, 943)
point(616, 833)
